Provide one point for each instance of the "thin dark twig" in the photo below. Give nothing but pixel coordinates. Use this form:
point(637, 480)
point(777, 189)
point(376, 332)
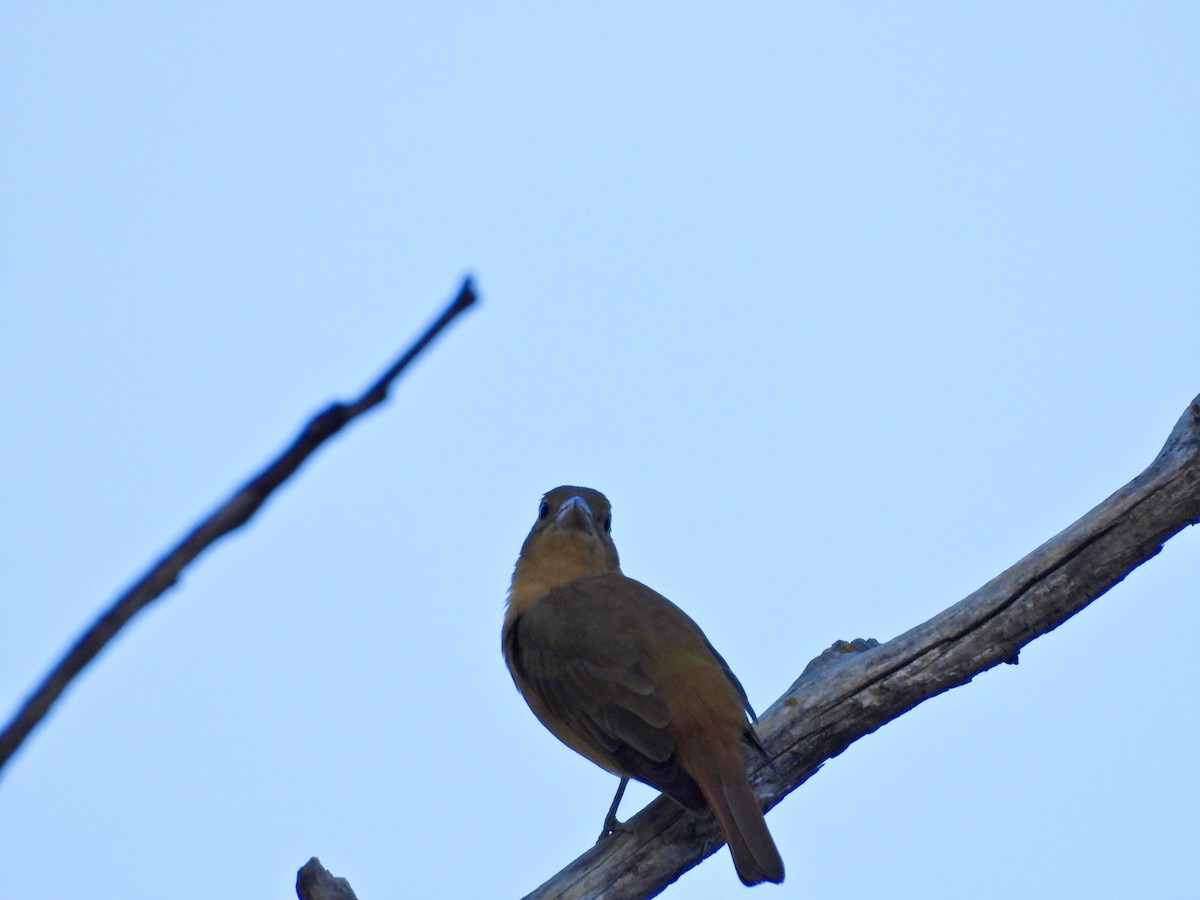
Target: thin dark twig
point(230, 516)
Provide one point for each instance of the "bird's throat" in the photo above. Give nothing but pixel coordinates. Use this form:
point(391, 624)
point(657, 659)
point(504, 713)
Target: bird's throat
point(559, 559)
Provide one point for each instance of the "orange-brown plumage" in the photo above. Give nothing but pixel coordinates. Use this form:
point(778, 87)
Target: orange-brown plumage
point(624, 677)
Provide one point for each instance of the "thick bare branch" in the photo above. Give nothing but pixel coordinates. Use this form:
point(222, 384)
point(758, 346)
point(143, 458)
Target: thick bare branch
point(854, 688)
point(230, 516)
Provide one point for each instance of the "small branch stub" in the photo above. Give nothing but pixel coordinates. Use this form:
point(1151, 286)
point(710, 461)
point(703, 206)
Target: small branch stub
point(314, 882)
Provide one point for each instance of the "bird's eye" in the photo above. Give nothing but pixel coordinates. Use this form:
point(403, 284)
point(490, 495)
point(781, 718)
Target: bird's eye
point(544, 509)
point(608, 522)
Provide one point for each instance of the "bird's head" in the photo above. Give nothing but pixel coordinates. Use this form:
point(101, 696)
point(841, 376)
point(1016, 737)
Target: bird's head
point(571, 538)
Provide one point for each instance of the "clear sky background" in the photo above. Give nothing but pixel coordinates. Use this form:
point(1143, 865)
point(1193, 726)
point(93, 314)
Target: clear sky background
point(846, 308)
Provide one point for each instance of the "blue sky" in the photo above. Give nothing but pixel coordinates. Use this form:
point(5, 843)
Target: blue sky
point(845, 308)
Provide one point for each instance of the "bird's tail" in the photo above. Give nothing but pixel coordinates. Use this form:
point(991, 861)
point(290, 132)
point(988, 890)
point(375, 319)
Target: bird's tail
point(732, 801)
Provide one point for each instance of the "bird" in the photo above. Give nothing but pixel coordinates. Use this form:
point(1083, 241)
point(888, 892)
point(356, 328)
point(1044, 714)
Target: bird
point(623, 676)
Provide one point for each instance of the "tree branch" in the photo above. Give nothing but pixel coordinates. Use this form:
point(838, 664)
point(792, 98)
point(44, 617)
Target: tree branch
point(854, 688)
point(230, 516)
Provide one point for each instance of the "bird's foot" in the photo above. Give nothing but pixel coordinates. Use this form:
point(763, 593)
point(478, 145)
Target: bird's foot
point(612, 826)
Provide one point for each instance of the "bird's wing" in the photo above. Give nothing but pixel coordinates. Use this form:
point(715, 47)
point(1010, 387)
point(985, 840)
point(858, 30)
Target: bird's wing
point(734, 681)
point(567, 651)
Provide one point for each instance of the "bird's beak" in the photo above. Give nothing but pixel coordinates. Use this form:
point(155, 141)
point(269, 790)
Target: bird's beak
point(575, 513)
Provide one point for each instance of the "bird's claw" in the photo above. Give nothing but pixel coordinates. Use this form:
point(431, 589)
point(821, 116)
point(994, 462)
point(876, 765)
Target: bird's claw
point(612, 826)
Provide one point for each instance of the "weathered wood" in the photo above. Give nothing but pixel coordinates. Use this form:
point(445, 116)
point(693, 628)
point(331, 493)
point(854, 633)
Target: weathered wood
point(854, 688)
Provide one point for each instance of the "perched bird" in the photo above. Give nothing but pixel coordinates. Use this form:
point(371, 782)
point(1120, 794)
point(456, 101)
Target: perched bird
point(623, 676)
